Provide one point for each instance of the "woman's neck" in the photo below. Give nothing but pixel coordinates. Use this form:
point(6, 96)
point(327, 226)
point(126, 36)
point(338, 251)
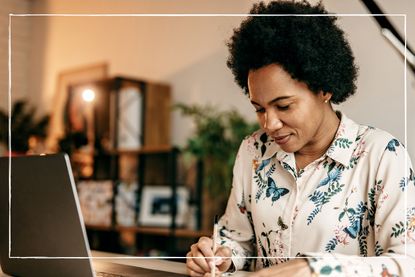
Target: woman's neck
point(320, 143)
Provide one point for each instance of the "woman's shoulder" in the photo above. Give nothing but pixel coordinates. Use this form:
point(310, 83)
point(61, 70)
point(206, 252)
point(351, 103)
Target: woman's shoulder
point(377, 139)
point(365, 135)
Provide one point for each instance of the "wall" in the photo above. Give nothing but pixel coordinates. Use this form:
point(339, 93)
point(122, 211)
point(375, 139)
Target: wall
point(187, 52)
point(21, 35)
point(380, 99)
point(190, 54)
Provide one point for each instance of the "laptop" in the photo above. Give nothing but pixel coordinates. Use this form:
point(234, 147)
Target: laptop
point(46, 221)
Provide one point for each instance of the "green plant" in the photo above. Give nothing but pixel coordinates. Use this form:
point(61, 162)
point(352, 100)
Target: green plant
point(23, 126)
point(216, 141)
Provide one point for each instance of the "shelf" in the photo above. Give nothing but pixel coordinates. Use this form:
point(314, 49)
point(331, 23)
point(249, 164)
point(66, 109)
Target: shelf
point(160, 149)
point(162, 231)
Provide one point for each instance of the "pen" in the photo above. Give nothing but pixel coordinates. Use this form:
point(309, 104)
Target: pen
point(215, 231)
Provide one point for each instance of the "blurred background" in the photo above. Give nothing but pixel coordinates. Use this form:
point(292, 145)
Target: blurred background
point(148, 111)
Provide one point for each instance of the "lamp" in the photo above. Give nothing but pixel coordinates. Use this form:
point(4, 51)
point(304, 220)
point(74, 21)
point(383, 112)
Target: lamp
point(88, 95)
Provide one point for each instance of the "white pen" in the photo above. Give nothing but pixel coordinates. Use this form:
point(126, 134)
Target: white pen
point(215, 232)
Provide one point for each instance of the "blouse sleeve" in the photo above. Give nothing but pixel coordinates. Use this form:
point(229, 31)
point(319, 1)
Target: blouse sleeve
point(393, 221)
point(235, 226)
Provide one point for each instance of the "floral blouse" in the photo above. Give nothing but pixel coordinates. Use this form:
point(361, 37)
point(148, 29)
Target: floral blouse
point(357, 200)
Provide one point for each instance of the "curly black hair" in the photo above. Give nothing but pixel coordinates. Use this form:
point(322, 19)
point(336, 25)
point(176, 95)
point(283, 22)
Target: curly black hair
point(312, 49)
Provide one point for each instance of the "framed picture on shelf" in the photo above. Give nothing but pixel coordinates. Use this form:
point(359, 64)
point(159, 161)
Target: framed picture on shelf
point(125, 204)
point(156, 207)
point(87, 125)
point(129, 119)
point(67, 78)
point(95, 198)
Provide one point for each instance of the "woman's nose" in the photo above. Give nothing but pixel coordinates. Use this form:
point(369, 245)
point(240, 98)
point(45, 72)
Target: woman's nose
point(272, 122)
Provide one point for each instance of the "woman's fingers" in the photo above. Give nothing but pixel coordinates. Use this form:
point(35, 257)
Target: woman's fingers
point(204, 246)
point(217, 274)
point(224, 252)
point(198, 251)
point(200, 258)
point(194, 274)
point(223, 262)
point(192, 267)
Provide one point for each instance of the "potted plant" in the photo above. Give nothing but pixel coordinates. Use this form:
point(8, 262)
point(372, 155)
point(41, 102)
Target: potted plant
point(24, 126)
point(217, 137)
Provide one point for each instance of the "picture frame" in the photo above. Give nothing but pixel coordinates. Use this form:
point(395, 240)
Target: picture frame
point(87, 127)
point(155, 208)
point(130, 117)
point(95, 199)
point(125, 202)
point(65, 79)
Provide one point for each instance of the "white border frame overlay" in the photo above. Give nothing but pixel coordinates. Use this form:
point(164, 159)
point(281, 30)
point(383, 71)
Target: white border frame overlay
point(150, 193)
point(192, 15)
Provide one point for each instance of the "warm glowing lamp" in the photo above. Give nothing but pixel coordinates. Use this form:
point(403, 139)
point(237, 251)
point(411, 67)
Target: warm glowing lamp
point(88, 95)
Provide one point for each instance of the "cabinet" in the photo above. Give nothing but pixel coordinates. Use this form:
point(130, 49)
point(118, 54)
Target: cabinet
point(130, 144)
point(168, 238)
point(114, 115)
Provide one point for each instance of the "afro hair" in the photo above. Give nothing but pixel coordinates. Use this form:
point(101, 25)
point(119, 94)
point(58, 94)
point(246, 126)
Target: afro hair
point(312, 49)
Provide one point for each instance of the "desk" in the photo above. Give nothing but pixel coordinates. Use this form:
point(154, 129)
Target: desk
point(168, 266)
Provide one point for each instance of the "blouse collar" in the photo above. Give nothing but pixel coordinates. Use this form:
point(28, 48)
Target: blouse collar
point(340, 150)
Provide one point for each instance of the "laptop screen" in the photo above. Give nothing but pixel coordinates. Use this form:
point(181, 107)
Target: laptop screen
point(47, 233)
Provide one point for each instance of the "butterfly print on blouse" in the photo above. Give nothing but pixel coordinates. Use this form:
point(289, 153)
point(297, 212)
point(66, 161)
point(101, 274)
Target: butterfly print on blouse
point(275, 192)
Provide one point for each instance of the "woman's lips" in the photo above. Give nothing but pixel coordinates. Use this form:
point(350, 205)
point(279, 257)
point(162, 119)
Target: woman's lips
point(282, 139)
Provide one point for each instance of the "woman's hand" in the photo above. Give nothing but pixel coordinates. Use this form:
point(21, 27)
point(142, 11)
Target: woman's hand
point(197, 262)
point(295, 268)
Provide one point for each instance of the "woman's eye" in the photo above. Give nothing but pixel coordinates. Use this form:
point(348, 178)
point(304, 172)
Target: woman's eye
point(283, 108)
point(260, 110)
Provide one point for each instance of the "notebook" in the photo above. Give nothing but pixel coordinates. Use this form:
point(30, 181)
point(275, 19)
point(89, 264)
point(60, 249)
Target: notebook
point(47, 233)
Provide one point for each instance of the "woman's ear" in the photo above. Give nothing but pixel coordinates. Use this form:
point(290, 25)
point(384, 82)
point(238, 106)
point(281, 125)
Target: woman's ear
point(326, 96)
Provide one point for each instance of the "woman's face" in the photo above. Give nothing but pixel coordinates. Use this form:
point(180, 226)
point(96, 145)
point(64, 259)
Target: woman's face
point(287, 110)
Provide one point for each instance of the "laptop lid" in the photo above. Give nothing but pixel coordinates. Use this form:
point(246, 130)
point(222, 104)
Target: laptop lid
point(45, 219)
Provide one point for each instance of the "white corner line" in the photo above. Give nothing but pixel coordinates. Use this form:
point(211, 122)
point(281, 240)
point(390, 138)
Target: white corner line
point(9, 104)
point(406, 139)
point(195, 15)
point(180, 15)
point(183, 257)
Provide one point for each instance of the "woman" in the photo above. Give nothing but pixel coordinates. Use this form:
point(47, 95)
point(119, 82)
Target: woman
point(313, 189)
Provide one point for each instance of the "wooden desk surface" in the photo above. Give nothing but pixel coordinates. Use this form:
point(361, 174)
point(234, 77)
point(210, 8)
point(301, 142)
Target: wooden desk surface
point(150, 263)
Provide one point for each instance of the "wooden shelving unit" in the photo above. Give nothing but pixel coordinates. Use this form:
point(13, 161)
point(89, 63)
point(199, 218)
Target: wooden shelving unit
point(143, 150)
point(161, 231)
point(152, 163)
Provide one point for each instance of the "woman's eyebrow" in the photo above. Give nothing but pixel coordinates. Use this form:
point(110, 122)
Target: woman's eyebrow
point(273, 100)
